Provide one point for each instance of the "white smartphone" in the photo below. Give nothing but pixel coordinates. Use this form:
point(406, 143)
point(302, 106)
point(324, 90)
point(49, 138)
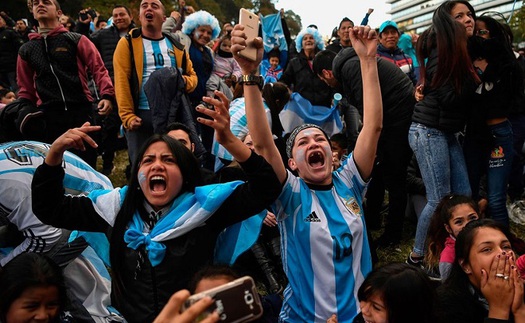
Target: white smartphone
point(236, 302)
point(250, 21)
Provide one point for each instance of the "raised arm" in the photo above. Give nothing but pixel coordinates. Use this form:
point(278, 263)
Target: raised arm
point(75, 138)
point(364, 42)
point(255, 114)
point(221, 123)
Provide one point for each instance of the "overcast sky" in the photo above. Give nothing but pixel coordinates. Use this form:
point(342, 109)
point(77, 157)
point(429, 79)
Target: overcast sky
point(327, 14)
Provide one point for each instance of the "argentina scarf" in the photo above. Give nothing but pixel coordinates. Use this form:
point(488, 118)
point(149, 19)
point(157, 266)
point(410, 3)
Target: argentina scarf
point(188, 211)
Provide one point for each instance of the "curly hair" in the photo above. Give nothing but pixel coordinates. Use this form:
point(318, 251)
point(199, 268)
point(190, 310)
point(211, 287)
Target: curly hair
point(319, 42)
point(201, 18)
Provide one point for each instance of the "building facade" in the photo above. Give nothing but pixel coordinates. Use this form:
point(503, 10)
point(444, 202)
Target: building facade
point(416, 15)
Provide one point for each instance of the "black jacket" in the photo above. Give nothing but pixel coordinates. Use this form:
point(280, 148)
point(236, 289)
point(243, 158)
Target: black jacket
point(299, 74)
point(397, 90)
point(443, 108)
point(457, 304)
point(10, 42)
point(105, 40)
point(140, 298)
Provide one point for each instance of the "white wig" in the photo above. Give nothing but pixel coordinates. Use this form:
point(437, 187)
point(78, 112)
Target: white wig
point(201, 18)
point(319, 42)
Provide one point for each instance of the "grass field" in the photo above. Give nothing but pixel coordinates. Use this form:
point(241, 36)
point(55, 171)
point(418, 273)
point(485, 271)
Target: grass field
point(388, 255)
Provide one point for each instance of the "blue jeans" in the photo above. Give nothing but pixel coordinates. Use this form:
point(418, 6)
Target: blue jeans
point(492, 157)
point(442, 165)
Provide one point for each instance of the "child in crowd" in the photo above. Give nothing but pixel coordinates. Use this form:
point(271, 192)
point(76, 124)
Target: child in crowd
point(396, 293)
point(31, 289)
point(6, 96)
point(271, 69)
point(224, 66)
point(339, 144)
point(451, 215)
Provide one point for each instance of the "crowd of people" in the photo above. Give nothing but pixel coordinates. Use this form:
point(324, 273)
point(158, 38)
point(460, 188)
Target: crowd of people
point(218, 187)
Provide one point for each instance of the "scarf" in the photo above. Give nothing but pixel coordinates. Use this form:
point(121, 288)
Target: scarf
point(187, 212)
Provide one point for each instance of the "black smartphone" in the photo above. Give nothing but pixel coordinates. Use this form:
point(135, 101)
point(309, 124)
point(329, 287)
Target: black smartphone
point(236, 301)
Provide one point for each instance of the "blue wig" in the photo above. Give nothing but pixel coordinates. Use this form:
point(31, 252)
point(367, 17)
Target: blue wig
point(319, 42)
point(201, 18)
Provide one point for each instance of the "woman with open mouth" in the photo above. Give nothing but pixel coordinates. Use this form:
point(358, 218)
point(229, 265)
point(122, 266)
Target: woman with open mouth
point(163, 226)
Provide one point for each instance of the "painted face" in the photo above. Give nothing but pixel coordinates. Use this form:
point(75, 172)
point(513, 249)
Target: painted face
point(211, 282)
point(151, 14)
point(226, 45)
point(121, 19)
point(249, 142)
point(487, 244)
point(160, 178)
point(183, 137)
point(202, 35)
point(389, 38)
point(462, 14)
point(36, 304)
point(312, 157)
point(344, 32)
point(46, 9)
point(308, 42)
point(274, 62)
point(8, 98)
point(374, 310)
point(482, 30)
point(461, 215)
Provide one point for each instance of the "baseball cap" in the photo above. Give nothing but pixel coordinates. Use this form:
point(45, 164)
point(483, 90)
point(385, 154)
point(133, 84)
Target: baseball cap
point(386, 24)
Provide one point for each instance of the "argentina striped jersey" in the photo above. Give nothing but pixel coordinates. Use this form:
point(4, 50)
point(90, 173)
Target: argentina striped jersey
point(156, 55)
point(325, 249)
point(18, 162)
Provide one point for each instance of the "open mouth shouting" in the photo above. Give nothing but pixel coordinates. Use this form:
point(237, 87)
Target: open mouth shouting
point(148, 16)
point(157, 184)
point(316, 159)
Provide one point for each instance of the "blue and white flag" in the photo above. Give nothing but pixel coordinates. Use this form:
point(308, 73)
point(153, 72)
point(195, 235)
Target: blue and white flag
point(238, 238)
point(299, 111)
point(273, 35)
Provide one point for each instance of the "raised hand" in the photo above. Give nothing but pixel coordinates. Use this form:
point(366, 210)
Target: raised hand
point(239, 43)
point(75, 138)
point(364, 41)
point(220, 117)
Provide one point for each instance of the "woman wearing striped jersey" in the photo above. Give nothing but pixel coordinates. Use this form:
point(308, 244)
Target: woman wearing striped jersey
point(324, 244)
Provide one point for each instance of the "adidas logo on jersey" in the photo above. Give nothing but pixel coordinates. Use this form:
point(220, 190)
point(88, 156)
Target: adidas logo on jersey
point(312, 217)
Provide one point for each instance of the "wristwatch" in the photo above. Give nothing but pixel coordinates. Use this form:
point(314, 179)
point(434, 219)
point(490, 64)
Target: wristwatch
point(252, 79)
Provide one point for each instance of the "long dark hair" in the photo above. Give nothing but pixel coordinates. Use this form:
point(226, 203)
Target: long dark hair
point(134, 199)
point(406, 291)
point(436, 231)
point(464, 241)
point(499, 46)
point(449, 37)
point(25, 271)
point(276, 95)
